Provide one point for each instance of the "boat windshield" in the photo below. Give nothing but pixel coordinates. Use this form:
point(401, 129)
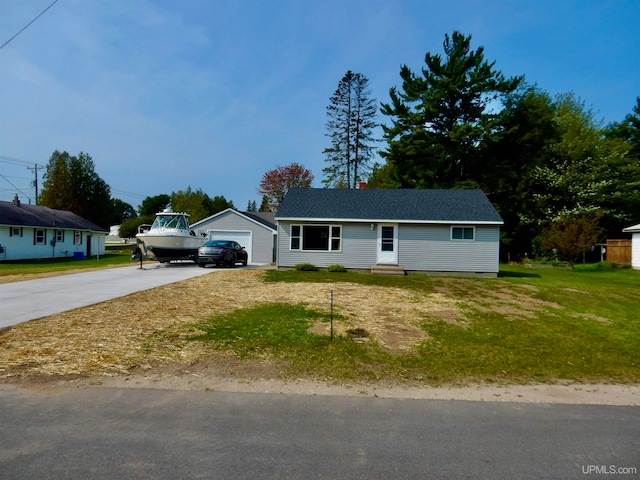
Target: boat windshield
point(170, 221)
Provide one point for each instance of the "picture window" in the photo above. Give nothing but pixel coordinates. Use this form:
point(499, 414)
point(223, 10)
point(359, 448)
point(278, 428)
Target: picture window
point(327, 238)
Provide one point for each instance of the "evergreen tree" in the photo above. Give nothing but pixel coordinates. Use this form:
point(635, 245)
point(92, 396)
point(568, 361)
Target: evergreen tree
point(352, 117)
point(440, 119)
point(71, 183)
point(628, 130)
point(264, 206)
point(155, 204)
point(511, 156)
point(122, 211)
point(219, 203)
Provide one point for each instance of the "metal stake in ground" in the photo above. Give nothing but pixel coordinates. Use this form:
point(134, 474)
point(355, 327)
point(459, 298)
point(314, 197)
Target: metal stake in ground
point(331, 319)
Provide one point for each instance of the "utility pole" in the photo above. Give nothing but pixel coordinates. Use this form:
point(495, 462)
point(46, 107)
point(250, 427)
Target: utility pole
point(35, 183)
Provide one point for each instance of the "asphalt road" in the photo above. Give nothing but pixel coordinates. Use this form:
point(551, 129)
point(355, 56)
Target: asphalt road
point(103, 433)
point(32, 299)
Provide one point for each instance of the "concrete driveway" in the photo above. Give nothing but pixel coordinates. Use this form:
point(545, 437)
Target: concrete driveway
point(32, 299)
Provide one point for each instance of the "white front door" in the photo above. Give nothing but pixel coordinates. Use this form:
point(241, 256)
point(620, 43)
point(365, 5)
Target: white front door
point(388, 243)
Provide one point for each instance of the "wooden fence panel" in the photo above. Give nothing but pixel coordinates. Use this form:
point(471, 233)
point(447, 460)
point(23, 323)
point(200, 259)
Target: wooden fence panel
point(619, 251)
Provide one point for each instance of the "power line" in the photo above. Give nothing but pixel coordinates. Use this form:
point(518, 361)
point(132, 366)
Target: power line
point(130, 194)
point(28, 24)
point(13, 161)
point(10, 183)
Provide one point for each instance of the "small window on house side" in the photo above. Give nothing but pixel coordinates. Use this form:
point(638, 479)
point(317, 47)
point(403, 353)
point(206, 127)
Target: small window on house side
point(77, 238)
point(462, 233)
point(59, 235)
point(295, 237)
point(39, 236)
point(336, 235)
point(15, 232)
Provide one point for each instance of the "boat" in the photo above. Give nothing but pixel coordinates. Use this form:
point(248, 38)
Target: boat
point(169, 237)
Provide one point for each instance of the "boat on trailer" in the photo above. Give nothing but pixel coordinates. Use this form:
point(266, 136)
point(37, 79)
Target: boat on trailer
point(170, 237)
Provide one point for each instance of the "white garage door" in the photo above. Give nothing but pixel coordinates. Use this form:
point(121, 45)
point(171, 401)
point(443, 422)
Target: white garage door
point(243, 237)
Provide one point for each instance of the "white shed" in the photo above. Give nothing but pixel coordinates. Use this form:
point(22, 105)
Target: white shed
point(635, 244)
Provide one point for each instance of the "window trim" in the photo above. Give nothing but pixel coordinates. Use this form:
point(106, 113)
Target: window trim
point(297, 237)
point(43, 239)
point(300, 237)
point(15, 231)
point(463, 228)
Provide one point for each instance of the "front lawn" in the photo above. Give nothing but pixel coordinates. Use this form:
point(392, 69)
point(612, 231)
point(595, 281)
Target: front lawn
point(64, 265)
point(527, 325)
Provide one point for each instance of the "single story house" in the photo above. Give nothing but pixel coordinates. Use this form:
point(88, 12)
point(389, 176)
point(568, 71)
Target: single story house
point(255, 231)
point(33, 231)
point(435, 231)
point(635, 244)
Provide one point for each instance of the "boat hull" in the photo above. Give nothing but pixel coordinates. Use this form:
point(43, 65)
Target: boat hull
point(171, 247)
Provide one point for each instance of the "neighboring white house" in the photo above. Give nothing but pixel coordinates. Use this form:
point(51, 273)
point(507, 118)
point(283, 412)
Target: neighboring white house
point(33, 231)
point(635, 244)
point(255, 231)
point(447, 231)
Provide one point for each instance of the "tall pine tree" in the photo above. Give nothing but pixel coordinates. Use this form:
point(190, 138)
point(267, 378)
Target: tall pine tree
point(71, 183)
point(352, 117)
point(440, 119)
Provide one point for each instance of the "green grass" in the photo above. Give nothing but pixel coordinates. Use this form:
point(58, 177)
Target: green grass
point(587, 329)
point(280, 331)
point(50, 265)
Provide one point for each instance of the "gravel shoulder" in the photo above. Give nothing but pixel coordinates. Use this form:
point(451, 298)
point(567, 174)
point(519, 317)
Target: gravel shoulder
point(187, 380)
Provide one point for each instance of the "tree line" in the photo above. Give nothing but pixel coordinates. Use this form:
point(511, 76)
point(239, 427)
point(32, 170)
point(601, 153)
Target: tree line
point(542, 160)
point(72, 183)
point(546, 162)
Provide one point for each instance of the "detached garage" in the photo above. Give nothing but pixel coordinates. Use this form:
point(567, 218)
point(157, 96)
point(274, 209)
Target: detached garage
point(255, 231)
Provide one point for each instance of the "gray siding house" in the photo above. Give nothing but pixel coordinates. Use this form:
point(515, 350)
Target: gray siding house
point(255, 231)
point(435, 231)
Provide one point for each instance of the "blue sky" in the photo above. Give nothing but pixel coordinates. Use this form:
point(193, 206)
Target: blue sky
point(168, 94)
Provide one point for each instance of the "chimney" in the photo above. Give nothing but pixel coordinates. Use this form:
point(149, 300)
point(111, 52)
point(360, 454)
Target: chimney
point(16, 200)
point(362, 185)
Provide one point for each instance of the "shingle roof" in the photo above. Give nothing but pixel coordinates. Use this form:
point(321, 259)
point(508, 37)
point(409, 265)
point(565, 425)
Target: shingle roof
point(398, 205)
point(265, 218)
point(38, 216)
